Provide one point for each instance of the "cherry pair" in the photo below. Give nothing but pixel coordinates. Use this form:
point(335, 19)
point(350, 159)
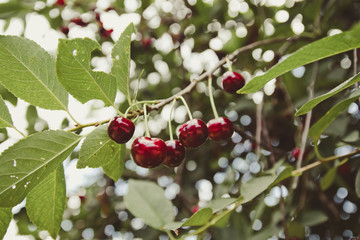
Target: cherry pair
point(194, 132)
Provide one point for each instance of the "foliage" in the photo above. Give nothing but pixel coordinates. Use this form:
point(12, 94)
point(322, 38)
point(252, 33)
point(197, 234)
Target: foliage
point(249, 187)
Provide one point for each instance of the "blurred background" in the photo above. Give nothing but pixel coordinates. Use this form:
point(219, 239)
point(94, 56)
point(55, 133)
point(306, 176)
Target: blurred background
point(176, 41)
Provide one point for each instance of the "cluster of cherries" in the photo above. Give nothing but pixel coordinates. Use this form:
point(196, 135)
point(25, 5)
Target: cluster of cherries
point(78, 21)
point(150, 152)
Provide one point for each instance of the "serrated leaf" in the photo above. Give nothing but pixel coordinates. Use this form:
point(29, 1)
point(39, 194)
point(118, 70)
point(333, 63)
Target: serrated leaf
point(328, 179)
point(199, 218)
point(330, 116)
point(5, 218)
point(312, 52)
point(121, 60)
point(45, 204)
point(147, 201)
point(218, 204)
point(29, 161)
point(75, 74)
point(254, 187)
point(314, 102)
point(98, 150)
point(28, 72)
point(357, 183)
point(5, 118)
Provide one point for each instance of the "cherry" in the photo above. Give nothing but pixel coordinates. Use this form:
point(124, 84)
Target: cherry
point(64, 30)
point(194, 209)
point(79, 21)
point(232, 81)
point(60, 3)
point(295, 152)
point(121, 129)
point(148, 152)
point(146, 42)
point(175, 153)
point(220, 129)
point(105, 33)
point(193, 133)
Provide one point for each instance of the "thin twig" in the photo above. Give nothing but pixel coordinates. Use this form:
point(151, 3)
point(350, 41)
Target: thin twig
point(259, 108)
point(205, 75)
point(283, 214)
point(305, 132)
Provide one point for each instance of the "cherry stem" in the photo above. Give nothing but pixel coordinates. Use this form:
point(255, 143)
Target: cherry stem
point(170, 128)
point(147, 132)
point(228, 63)
point(186, 106)
point(212, 102)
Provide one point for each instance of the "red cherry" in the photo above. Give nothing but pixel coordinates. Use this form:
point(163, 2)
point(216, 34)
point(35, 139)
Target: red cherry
point(220, 129)
point(121, 129)
point(146, 42)
point(175, 153)
point(295, 152)
point(148, 152)
point(193, 133)
point(232, 81)
point(64, 30)
point(105, 33)
point(194, 209)
point(79, 21)
point(60, 3)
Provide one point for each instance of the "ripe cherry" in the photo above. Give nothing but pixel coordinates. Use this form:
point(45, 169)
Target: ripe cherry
point(220, 129)
point(148, 152)
point(79, 21)
point(64, 30)
point(193, 133)
point(121, 129)
point(295, 153)
point(175, 153)
point(232, 81)
point(60, 3)
point(194, 209)
point(105, 33)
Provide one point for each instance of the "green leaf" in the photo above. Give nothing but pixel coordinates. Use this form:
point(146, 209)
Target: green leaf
point(312, 52)
point(28, 72)
point(121, 60)
point(146, 200)
point(357, 183)
point(5, 218)
point(313, 218)
point(295, 230)
point(172, 225)
point(314, 102)
point(29, 161)
point(75, 74)
point(45, 204)
point(330, 116)
point(328, 179)
point(199, 218)
point(98, 150)
point(218, 204)
point(256, 186)
point(5, 118)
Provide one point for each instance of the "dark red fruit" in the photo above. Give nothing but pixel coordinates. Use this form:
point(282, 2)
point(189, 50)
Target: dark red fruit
point(194, 209)
point(232, 81)
point(193, 133)
point(220, 129)
point(64, 30)
point(60, 3)
point(295, 152)
point(121, 129)
point(105, 33)
point(79, 21)
point(146, 42)
point(148, 152)
point(175, 153)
